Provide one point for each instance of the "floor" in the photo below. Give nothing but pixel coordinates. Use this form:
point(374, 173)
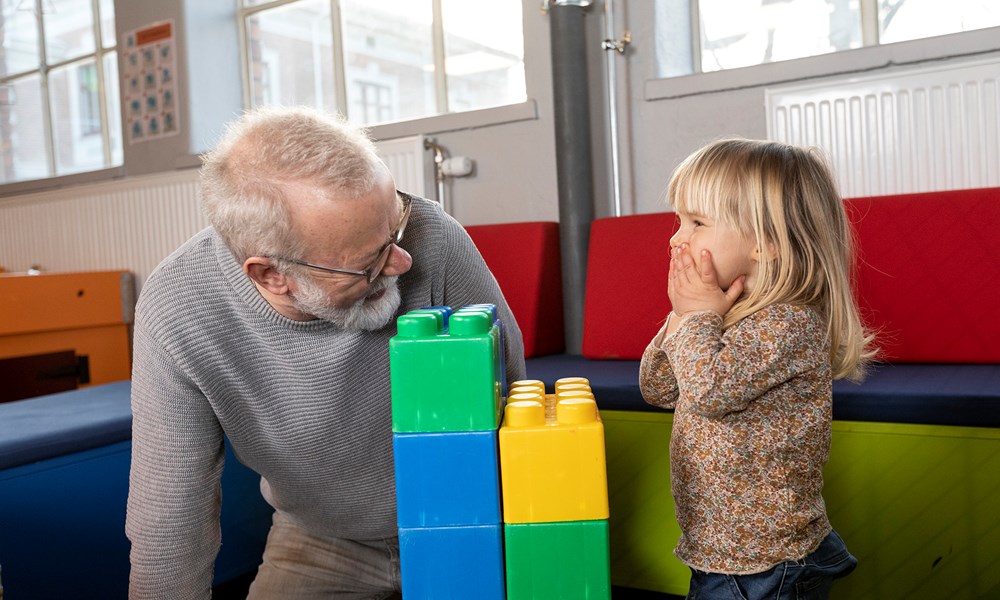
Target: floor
point(237, 590)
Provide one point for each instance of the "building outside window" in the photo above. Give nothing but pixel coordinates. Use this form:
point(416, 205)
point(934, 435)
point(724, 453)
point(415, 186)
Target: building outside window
point(59, 106)
point(380, 61)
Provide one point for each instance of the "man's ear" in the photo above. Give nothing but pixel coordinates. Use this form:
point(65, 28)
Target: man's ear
point(261, 270)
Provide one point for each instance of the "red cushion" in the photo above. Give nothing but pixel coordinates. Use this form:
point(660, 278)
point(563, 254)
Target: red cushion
point(525, 260)
point(626, 298)
point(928, 278)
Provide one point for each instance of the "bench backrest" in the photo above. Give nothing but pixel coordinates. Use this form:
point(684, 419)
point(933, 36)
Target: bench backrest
point(927, 278)
point(525, 259)
point(626, 293)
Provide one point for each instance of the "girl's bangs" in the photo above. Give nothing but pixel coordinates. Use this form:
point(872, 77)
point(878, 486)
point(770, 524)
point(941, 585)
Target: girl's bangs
point(695, 190)
point(710, 188)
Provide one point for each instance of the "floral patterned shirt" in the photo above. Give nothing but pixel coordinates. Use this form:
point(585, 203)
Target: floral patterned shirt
point(751, 433)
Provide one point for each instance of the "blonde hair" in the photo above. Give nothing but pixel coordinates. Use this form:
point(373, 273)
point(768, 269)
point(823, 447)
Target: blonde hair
point(247, 180)
point(784, 198)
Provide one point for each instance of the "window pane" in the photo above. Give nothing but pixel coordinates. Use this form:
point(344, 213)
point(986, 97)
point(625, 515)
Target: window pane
point(114, 107)
point(389, 60)
point(76, 118)
point(901, 20)
point(484, 48)
point(20, 39)
point(291, 58)
point(69, 30)
point(107, 8)
point(21, 134)
point(752, 32)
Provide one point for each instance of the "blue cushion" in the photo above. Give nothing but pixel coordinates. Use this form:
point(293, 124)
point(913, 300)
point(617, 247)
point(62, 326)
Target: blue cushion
point(47, 426)
point(932, 394)
point(615, 382)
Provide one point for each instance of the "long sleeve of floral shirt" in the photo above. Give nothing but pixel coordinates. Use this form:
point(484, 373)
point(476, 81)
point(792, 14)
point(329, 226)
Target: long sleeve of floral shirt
point(751, 433)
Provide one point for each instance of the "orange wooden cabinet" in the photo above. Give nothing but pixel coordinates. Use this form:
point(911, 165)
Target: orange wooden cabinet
point(88, 313)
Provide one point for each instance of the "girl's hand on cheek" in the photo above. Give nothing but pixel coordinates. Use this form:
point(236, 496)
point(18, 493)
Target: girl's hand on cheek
point(693, 285)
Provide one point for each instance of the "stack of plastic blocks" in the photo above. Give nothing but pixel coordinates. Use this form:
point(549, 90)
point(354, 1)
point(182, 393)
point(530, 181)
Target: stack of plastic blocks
point(446, 372)
point(555, 493)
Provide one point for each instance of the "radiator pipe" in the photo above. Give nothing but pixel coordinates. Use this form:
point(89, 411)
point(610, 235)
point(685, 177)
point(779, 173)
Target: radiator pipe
point(439, 175)
point(573, 157)
point(612, 48)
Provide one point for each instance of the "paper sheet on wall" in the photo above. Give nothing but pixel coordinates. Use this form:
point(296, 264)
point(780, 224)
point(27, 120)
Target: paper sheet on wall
point(149, 82)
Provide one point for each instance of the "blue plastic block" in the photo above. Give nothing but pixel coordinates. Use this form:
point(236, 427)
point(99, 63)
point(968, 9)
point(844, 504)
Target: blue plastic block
point(442, 312)
point(447, 479)
point(441, 563)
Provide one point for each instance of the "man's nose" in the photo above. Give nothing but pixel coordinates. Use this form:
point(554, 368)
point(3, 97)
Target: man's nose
point(399, 262)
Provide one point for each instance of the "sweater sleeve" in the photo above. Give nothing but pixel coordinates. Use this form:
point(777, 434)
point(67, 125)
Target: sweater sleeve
point(720, 374)
point(174, 484)
point(656, 377)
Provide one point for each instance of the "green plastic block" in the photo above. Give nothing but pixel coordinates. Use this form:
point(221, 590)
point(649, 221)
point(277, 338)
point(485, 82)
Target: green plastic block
point(445, 379)
point(549, 561)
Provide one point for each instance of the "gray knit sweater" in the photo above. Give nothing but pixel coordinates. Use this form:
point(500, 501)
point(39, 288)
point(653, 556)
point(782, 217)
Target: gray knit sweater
point(305, 404)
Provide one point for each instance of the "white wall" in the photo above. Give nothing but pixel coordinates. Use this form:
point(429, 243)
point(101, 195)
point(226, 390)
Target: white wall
point(673, 117)
point(661, 120)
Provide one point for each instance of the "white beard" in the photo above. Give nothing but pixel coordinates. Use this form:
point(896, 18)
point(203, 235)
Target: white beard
point(364, 315)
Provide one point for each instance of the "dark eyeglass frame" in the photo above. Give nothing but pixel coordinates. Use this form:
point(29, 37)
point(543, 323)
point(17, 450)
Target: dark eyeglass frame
point(372, 271)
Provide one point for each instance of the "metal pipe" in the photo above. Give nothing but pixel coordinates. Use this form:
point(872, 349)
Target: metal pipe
point(439, 174)
point(613, 48)
point(574, 162)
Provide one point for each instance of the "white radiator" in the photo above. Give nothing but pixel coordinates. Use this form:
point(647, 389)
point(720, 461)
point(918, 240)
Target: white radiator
point(908, 131)
point(129, 224)
point(133, 224)
point(406, 159)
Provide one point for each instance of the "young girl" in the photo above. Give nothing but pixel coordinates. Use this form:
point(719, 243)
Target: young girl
point(763, 320)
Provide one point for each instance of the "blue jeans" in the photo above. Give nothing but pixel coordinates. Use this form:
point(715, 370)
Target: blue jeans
point(807, 579)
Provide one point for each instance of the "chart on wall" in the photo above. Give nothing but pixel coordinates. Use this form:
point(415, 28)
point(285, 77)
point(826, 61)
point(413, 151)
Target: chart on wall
point(149, 82)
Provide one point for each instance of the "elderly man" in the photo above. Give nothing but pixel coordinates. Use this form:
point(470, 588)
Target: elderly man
point(271, 327)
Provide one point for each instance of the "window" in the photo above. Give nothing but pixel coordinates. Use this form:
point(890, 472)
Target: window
point(371, 102)
point(59, 109)
point(900, 20)
point(380, 61)
point(751, 32)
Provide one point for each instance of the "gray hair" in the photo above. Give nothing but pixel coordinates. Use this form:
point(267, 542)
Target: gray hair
point(245, 180)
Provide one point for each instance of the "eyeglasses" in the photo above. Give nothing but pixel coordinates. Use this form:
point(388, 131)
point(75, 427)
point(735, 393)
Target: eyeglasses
point(373, 270)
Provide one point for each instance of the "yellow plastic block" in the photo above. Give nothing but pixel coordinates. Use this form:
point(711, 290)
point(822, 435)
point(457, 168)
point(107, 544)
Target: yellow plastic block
point(567, 383)
point(526, 385)
point(552, 461)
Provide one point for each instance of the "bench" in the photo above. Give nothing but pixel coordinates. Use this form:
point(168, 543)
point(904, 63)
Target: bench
point(914, 470)
point(64, 475)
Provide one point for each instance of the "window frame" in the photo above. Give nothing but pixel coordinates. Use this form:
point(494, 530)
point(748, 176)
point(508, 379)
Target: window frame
point(43, 70)
point(442, 122)
point(840, 63)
